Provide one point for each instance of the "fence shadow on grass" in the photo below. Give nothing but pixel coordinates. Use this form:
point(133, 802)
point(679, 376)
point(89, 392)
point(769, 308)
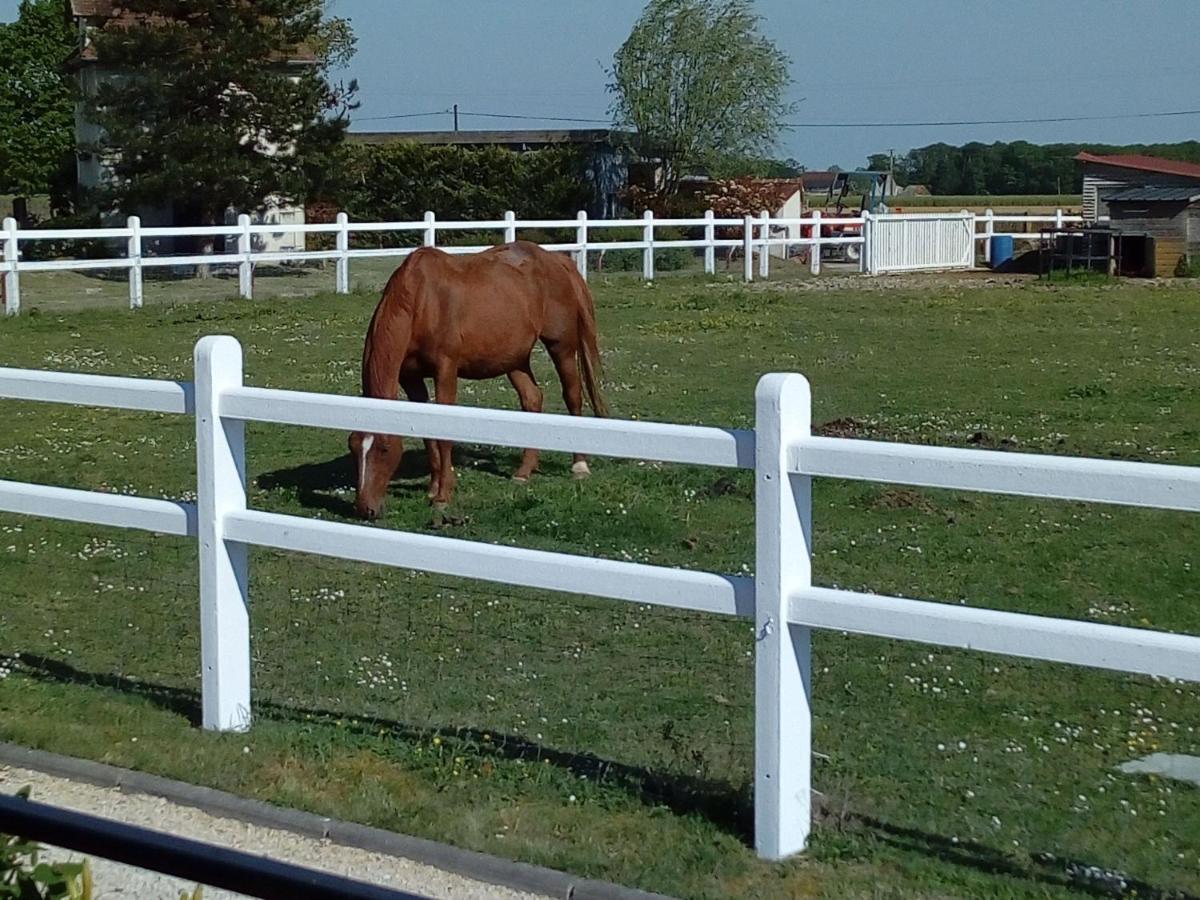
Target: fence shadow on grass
point(726, 806)
point(317, 484)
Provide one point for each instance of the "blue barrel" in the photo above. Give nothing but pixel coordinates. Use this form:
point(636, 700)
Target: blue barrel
point(1002, 249)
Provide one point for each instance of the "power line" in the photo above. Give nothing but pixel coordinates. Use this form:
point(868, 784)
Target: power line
point(483, 115)
point(1108, 118)
point(439, 112)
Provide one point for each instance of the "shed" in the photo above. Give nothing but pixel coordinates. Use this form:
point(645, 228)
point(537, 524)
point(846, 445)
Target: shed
point(1107, 175)
point(1170, 215)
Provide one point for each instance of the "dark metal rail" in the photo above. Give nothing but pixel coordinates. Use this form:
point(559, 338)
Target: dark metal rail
point(219, 867)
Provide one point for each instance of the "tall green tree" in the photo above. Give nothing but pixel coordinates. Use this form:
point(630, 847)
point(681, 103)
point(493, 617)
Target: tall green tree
point(698, 83)
point(37, 111)
point(219, 103)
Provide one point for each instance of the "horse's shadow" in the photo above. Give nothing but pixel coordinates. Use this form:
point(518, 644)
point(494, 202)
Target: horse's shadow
point(326, 485)
point(727, 806)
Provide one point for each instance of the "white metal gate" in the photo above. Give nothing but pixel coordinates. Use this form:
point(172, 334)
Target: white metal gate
point(907, 242)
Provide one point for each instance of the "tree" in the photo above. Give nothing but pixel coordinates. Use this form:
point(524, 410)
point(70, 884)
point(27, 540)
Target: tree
point(697, 83)
point(208, 112)
point(37, 111)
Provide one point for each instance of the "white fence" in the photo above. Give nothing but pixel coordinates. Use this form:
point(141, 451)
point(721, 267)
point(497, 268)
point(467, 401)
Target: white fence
point(893, 242)
point(780, 598)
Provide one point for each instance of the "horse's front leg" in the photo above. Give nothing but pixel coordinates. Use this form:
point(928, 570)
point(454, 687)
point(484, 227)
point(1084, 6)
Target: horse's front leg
point(416, 391)
point(442, 484)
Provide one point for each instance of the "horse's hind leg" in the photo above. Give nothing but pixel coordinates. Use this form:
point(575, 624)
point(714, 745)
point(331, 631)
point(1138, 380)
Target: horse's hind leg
point(566, 363)
point(416, 391)
point(446, 392)
point(531, 401)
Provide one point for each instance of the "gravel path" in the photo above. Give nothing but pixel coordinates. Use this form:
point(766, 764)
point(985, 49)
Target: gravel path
point(115, 880)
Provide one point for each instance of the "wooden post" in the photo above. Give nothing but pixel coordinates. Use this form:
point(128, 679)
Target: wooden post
point(648, 240)
point(134, 252)
point(510, 227)
point(342, 267)
point(12, 282)
point(748, 249)
point(581, 238)
point(989, 228)
point(224, 574)
point(430, 229)
point(783, 686)
point(710, 249)
point(764, 248)
point(814, 262)
point(246, 265)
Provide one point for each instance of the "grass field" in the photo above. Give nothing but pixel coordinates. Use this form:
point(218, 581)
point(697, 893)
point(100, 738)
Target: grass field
point(997, 202)
point(615, 740)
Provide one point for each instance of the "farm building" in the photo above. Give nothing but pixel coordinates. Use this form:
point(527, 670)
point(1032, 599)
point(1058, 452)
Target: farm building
point(607, 166)
point(1105, 176)
point(1169, 215)
point(90, 16)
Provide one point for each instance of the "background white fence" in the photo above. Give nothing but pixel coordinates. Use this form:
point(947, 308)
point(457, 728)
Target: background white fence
point(780, 598)
point(893, 242)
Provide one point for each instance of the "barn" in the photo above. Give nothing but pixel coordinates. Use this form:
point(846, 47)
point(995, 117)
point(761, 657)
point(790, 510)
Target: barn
point(1105, 176)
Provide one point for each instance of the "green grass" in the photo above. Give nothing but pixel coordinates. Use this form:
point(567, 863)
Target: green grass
point(615, 740)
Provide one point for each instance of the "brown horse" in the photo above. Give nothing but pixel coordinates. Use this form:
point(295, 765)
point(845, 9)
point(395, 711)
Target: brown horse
point(473, 316)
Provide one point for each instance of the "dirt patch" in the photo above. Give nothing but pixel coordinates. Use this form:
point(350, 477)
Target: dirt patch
point(987, 440)
point(904, 498)
point(847, 427)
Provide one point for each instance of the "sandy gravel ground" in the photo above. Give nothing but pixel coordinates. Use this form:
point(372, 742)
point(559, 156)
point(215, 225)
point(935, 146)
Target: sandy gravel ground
point(115, 880)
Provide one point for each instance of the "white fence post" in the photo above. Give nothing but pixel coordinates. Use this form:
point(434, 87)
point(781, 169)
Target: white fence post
point(748, 249)
point(1058, 219)
point(224, 573)
point(246, 266)
point(814, 260)
point(342, 266)
point(989, 228)
point(710, 249)
point(865, 249)
point(510, 227)
point(12, 281)
point(783, 685)
point(134, 252)
point(581, 238)
point(430, 229)
point(764, 249)
point(648, 239)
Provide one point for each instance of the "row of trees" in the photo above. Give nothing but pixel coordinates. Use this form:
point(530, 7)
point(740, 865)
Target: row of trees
point(208, 115)
point(1018, 167)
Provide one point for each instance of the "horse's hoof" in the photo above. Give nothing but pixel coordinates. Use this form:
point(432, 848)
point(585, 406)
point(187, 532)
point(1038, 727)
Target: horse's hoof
point(580, 471)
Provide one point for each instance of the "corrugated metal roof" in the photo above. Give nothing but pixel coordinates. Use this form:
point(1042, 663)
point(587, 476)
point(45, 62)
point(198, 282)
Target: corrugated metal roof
point(1154, 195)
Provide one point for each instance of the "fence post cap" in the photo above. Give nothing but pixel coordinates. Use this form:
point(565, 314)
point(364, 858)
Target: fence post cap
point(218, 347)
point(342, 218)
point(783, 388)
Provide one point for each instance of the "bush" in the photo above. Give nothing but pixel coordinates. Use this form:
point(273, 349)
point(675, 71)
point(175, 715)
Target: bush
point(666, 259)
point(1188, 268)
point(398, 182)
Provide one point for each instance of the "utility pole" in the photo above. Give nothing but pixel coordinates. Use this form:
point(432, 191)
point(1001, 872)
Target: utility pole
point(456, 117)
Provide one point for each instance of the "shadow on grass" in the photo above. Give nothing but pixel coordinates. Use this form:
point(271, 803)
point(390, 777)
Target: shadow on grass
point(317, 484)
point(728, 807)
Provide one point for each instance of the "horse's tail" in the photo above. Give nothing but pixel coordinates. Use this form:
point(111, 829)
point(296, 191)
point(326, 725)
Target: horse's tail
point(589, 350)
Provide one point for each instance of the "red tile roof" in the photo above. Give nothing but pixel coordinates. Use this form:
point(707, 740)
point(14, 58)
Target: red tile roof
point(1143, 164)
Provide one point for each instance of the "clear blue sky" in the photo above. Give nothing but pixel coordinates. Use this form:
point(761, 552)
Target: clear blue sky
point(866, 61)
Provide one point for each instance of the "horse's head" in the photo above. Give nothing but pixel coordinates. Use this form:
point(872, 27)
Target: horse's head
point(376, 458)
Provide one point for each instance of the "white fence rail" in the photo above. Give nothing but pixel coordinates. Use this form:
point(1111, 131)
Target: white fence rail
point(781, 598)
point(893, 242)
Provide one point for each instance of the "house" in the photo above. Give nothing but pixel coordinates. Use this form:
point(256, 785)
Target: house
point(1108, 175)
point(1170, 216)
point(90, 16)
point(787, 202)
point(608, 163)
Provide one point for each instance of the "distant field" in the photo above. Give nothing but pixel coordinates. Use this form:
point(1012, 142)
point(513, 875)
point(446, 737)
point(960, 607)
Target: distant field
point(995, 201)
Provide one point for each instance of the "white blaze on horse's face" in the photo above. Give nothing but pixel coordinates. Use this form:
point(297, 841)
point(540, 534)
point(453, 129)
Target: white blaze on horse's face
point(362, 461)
